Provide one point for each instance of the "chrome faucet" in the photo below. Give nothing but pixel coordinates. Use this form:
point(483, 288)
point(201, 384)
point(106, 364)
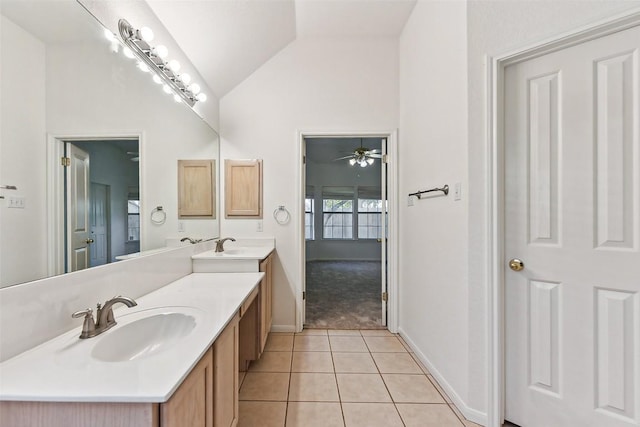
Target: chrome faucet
point(192, 241)
point(104, 317)
point(220, 243)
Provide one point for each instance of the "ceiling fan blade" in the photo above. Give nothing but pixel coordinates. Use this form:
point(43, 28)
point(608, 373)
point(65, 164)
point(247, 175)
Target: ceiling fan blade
point(375, 156)
point(345, 157)
point(375, 150)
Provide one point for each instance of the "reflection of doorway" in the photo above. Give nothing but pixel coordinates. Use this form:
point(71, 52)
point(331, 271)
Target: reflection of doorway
point(98, 192)
point(345, 234)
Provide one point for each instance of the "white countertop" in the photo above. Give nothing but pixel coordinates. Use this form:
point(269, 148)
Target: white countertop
point(62, 370)
point(235, 252)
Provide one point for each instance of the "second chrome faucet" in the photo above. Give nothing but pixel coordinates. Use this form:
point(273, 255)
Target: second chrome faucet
point(104, 316)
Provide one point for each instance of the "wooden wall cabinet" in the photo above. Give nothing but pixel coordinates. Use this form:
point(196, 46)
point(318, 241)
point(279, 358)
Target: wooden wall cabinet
point(196, 189)
point(243, 188)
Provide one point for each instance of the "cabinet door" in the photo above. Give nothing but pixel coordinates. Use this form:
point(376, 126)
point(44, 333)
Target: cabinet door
point(196, 189)
point(192, 404)
point(225, 376)
point(243, 188)
point(266, 292)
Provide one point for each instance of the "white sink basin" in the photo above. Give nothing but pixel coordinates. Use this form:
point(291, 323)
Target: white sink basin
point(155, 331)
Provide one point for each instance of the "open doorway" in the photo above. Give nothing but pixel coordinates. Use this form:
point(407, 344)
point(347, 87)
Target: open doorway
point(345, 232)
point(102, 201)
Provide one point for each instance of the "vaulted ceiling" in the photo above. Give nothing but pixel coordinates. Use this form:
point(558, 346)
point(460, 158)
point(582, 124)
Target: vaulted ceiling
point(227, 40)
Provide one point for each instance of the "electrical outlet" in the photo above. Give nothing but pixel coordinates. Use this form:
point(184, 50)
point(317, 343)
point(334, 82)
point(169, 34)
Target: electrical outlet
point(181, 227)
point(457, 191)
point(259, 226)
point(410, 201)
point(16, 202)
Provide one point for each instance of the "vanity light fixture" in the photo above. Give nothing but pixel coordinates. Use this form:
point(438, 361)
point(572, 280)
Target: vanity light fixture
point(154, 59)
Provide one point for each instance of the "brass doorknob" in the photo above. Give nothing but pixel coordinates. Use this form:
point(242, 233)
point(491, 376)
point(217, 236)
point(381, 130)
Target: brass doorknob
point(88, 241)
point(516, 264)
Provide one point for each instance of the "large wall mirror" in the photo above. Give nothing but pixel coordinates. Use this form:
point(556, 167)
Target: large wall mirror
point(67, 92)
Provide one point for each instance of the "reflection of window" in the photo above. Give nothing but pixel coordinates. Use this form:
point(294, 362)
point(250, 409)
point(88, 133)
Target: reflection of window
point(133, 220)
point(308, 219)
point(369, 218)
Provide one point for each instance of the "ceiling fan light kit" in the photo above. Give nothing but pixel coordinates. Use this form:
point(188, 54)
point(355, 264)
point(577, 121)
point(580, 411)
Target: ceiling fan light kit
point(362, 156)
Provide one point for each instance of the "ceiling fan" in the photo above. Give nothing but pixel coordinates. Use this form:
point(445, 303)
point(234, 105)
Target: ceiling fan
point(362, 156)
point(135, 154)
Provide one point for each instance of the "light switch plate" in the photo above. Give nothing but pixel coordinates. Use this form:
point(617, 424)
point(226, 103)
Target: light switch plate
point(259, 226)
point(410, 201)
point(16, 202)
point(457, 191)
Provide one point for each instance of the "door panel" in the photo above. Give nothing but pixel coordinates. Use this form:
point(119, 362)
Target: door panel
point(78, 200)
point(571, 197)
point(99, 224)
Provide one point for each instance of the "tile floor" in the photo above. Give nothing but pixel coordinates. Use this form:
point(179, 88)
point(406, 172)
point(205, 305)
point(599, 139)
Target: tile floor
point(347, 378)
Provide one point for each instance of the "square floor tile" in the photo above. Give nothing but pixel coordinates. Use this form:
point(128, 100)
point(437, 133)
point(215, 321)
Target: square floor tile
point(311, 343)
point(411, 389)
point(371, 415)
point(265, 386)
point(314, 414)
point(312, 361)
point(313, 387)
point(396, 363)
point(312, 331)
point(376, 333)
point(384, 345)
point(440, 390)
point(262, 414)
point(428, 415)
point(354, 363)
point(345, 332)
point(347, 344)
point(362, 388)
point(279, 343)
point(272, 361)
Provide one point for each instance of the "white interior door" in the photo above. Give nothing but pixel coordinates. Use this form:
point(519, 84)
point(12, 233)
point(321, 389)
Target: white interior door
point(99, 224)
point(78, 199)
point(572, 198)
point(384, 232)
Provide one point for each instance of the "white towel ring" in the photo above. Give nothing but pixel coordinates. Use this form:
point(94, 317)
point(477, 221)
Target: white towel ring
point(158, 216)
point(281, 215)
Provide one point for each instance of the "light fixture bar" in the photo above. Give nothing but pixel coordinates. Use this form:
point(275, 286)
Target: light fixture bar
point(133, 39)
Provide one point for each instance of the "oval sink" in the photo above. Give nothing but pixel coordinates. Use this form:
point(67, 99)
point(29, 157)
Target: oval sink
point(144, 337)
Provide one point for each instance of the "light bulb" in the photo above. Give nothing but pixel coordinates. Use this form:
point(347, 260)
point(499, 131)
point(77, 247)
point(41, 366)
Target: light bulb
point(185, 78)
point(370, 160)
point(146, 34)
point(177, 98)
point(109, 35)
point(363, 164)
point(201, 97)
point(194, 88)
point(128, 53)
point(352, 162)
point(143, 67)
point(166, 89)
point(174, 65)
point(157, 79)
point(161, 51)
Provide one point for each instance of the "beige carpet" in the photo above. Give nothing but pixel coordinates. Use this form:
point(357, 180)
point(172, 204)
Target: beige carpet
point(343, 295)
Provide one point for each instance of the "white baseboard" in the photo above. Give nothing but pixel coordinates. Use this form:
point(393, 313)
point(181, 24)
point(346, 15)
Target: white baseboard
point(343, 259)
point(469, 413)
point(283, 328)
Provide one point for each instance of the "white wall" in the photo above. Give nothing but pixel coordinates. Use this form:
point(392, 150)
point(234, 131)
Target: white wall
point(443, 124)
point(311, 85)
point(23, 155)
point(434, 292)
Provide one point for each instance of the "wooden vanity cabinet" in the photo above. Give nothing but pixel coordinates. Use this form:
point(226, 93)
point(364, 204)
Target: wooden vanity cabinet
point(266, 300)
point(192, 403)
point(225, 375)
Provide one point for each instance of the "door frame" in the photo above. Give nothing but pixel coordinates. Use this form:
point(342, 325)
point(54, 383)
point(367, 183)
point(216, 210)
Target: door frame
point(55, 189)
point(495, 203)
point(392, 215)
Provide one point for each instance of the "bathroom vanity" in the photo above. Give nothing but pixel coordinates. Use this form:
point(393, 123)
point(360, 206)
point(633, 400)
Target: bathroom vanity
point(173, 360)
